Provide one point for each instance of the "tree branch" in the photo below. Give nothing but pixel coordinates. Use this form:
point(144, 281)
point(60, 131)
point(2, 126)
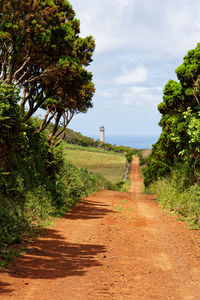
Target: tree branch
point(4, 67)
point(57, 120)
point(24, 74)
point(67, 120)
point(20, 69)
point(46, 122)
point(32, 109)
point(196, 89)
point(43, 74)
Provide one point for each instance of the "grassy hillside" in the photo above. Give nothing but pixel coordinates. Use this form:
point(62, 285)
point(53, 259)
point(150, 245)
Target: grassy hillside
point(76, 138)
point(110, 165)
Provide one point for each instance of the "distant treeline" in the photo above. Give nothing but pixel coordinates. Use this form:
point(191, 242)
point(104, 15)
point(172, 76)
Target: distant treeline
point(73, 137)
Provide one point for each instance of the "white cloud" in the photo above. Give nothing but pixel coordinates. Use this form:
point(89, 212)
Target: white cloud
point(132, 76)
point(178, 20)
point(107, 94)
point(142, 96)
point(125, 3)
point(150, 38)
point(165, 28)
point(106, 21)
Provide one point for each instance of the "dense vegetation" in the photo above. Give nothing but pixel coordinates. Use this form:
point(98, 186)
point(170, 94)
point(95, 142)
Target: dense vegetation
point(43, 64)
point(42, 53)
point(177, 152)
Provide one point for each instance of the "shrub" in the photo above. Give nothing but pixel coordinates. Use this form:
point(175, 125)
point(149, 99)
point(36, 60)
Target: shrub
point(80, 183)
point(180, 194)
point(35, 181)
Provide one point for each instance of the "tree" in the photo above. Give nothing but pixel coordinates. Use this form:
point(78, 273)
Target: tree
point(180, 120)
point(42, 53)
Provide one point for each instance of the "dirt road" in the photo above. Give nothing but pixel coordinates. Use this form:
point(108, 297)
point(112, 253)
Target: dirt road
point(113, 245)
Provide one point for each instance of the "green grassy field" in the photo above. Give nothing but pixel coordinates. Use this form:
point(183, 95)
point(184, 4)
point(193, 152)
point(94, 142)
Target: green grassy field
point(110, 165)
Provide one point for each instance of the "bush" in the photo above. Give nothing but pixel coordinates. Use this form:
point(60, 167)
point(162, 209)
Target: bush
point(35, 181)
point(180, 194)
point(80, 183)
point(129, 156)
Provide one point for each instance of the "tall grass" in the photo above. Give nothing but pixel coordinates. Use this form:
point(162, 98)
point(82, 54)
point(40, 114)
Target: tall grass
point(183, 199)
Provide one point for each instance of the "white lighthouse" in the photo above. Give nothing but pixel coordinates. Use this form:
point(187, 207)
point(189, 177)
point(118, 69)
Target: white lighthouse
point(102, 134)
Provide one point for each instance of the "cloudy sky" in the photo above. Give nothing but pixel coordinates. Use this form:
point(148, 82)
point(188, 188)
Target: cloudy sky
point(139, 44)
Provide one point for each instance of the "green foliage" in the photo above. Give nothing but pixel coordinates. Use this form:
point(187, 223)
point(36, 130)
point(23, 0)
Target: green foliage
point(178, 195)
point(10, 126)
point(187, 125)
point(77, 138)
point(35, 180)
point(67, 146)
point(129, 156)
point(180, 121)
point(29, 184)
point(173, 99)
point(119, 149)
point(38, 206)
point(123, 185)
point(160, 160)
point(36, 49)
point(175, 159)
point(9, 110)
point(12, 221)
point(119, 185)
point(80, 183)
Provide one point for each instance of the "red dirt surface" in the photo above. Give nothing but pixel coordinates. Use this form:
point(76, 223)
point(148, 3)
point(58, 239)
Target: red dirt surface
point(113, 245)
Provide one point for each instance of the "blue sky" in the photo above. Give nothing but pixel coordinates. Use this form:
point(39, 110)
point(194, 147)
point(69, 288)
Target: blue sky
point(139, 44)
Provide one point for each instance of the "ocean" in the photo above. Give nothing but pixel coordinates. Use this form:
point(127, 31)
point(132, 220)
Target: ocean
point(140, 142)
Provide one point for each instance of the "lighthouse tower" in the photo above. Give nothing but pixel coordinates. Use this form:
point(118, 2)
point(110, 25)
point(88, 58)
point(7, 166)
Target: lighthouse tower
point(102, 134)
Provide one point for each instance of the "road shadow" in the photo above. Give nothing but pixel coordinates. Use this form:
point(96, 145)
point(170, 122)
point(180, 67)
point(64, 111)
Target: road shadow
point(89, 209)
point(5, 287)
point(52, 257)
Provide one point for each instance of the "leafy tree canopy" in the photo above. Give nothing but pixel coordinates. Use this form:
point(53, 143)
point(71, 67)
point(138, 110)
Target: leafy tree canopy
point(42, 53)
point(180, 120)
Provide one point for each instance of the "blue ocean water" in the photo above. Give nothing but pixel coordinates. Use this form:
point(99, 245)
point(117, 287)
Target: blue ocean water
point(139, 142)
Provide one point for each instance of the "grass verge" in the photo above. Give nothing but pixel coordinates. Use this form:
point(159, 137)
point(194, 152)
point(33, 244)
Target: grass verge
point(184, 203)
